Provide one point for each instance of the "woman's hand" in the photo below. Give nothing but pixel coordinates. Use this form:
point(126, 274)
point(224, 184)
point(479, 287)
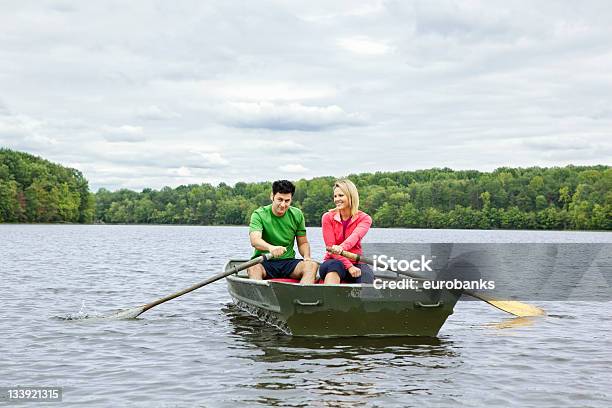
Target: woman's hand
point(354, 271)
point(336, 249)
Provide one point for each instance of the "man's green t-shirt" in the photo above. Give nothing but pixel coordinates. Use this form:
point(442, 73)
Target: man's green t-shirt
point(280, 231)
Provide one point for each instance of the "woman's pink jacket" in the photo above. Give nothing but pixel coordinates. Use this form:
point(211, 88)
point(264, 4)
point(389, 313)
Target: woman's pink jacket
point(350, 240)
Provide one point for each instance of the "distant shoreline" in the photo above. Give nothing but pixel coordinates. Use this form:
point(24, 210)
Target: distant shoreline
point(310, 226)
point(570, 198)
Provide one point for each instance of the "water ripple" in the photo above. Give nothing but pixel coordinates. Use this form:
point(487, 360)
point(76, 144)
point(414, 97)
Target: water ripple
point(200, 350)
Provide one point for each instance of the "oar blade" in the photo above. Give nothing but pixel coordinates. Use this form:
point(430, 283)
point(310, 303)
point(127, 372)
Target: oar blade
point(518, 308)
point(126, 313)
point(510, 306)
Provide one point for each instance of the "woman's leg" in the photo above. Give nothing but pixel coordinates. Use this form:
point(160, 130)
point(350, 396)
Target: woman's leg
point(367, 275)
point(332, 277)
point(332, 271)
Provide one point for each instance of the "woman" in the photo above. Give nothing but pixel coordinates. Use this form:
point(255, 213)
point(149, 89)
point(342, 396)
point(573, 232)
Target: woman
point(343, 229)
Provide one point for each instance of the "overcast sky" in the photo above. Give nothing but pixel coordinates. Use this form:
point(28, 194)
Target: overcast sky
point(149, 93)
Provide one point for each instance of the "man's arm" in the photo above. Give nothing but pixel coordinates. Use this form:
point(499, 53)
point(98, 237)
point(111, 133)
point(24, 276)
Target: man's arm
point(303, 247)
point(258, 242)
point(300, 236)
point(255, 236)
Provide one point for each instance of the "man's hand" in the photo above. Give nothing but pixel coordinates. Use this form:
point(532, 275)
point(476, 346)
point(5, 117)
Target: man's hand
point(336, 249)
point(354, 271)
point(277, 251)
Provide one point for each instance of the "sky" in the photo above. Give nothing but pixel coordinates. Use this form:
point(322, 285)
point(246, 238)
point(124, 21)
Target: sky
point(149, 93)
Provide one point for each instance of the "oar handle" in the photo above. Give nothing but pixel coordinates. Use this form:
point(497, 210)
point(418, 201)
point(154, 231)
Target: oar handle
point(360, 258)
point(214, 278)
point(353, 257)
point(370, 261)
point(346, 254)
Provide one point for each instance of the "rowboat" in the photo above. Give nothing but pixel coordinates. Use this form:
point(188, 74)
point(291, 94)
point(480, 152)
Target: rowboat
point(343, 309)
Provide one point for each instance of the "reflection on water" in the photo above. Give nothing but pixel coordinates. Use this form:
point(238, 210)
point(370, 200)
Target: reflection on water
point(349, 367)
point(272, 341)
point(514, 322)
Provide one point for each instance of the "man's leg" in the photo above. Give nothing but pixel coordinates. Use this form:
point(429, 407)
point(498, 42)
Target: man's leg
point(306, 271)
point(256, 272)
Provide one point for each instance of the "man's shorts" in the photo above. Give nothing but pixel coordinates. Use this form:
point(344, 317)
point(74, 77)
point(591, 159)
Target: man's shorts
point(334, 265)
point(279, 268)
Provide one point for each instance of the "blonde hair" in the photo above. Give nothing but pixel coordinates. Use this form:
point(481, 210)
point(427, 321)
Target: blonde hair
point(350, 190)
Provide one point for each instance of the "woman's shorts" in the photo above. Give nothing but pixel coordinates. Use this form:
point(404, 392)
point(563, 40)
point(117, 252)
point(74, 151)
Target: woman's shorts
point(334, 265)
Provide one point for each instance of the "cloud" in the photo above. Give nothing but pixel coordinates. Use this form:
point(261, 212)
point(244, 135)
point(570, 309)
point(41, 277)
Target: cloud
point(155, 113)
point(258, 90)
point(182, 172)
point(565, 148)
point(212, 159)
point(293, 168)
point(154, 167)
point(280, 146)
point(327, 12)
point(226, 91)
point(125, 133)
point(291, 116)
point(558, 144)
point(4, 110)
point(159, 156)
point(22, 132)
point(364, 46)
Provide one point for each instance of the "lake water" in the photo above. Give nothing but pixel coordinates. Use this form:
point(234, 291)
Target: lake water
point(200, 350)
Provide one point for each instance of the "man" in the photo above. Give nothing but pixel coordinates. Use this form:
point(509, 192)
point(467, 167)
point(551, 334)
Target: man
point(274, 228)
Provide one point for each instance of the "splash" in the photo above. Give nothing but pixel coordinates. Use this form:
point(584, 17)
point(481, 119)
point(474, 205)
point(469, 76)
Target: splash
point(119, 315)
point(80, 315)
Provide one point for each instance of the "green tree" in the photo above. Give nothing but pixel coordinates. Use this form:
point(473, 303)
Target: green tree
point(35, 190)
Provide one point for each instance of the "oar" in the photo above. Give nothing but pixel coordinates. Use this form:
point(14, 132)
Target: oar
point(510, 306)
point(136, 311)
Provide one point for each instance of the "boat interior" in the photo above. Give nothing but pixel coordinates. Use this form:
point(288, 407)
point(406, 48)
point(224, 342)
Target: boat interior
point(385, 275)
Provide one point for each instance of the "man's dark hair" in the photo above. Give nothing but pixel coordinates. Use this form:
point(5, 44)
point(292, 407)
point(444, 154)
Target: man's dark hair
point(283, 187)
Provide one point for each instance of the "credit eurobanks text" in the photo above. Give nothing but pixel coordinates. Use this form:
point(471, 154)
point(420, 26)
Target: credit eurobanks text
point(415, 284)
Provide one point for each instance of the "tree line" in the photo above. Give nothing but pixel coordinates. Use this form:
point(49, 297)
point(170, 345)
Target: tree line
point(557, 198)
point(35, 190)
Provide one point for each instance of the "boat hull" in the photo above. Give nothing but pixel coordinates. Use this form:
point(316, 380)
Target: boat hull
point(343, 310)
